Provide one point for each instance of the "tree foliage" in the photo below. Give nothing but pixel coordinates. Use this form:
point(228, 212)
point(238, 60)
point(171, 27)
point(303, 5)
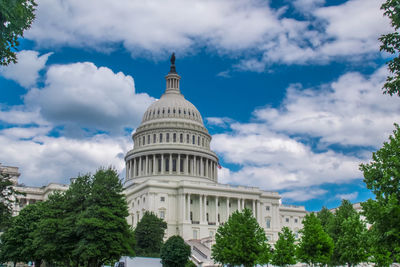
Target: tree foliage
point(17, 242)
point(16, 16)
point(239, 241)
point(390, 43)
point(326, 218)
point(175, 252)
point(315, 245)
point(382, 176)
point(84, 226)
point(285, 249)
point(149, 234)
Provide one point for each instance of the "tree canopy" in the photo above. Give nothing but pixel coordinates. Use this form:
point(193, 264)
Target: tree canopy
point(390, 43)
point(84, 226)
point(239, 241)
point(16, 16)
point(175, 252)
point(382, 176)
point(149, 234)
point(315, 245)
point(285, 249)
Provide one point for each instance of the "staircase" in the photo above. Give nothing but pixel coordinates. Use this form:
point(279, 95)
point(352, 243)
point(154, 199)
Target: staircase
point(201, 253)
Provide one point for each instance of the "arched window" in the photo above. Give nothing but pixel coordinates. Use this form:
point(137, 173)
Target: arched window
point(167, 138)
point(198, 140)
point(154, 138)
point(187, 138)
point(181, 138)
point(144, 140)
point(193, 139)
point(161, 138)
point(174, 137)
point(148, 139)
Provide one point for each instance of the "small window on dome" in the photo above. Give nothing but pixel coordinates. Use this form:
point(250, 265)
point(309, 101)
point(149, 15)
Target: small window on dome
point(163, 111)
point(161, 137)
point(189, 112)
point(167, 138)
point(158, 112)
point(154, 112)
point(144, 140)
point(181, 138)
point(193, 139)
point(184, 111)
point(154, 138)
point(168, 110)
point(187, 138)
point(148, 139)
point(179, 111)
point(174, 137)
point(202, 141)
point(198, 140)
point(174, 111)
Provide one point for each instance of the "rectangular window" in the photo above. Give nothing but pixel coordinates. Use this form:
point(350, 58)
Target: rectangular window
point(167, 164)
point(267, 208)
point(162, 214)
point(162, 199)
point(194, 234)
point(268, 223)
point(287, 220)
point(295, 220)
point(174, 165)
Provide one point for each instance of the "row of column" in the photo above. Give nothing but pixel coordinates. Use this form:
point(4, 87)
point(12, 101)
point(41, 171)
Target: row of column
point(160, 164)
point(187, 211)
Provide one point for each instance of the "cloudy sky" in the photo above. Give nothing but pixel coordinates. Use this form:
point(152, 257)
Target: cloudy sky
point(290, 90)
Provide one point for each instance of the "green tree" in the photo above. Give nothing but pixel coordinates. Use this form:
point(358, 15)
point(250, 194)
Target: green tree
point(7, 198)
point(17, 241)
point(149, 234)
point(239, 241)
point(390, 43)
point(336, 229)
point(326, 217)
point(16, 16)
point(316, 246)
point(104, 234)
point(352, 243)
point(175, 252)
point(382, 176)
point(285, 249)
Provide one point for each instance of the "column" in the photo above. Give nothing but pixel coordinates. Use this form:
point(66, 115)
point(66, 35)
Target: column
point(134, 168)
point(140, 166)
point(205, 208)
point(147, 165)
point(201, 167)
point(227, 208)
point(170, 163)
point(238, 204)
point(127, 171)
point(178, 164)
point(258, 211)
point(184, 207)
point(194, 166)
point(154, 164)
point(189, 207)
point(162, 164)
point(243, 204)
point(207, 170)
point(201, 208)
point(187, 165)
point(216, 211)
point(254, 209)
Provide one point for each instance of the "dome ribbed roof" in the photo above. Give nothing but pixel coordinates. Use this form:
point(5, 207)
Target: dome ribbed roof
point(172, 105)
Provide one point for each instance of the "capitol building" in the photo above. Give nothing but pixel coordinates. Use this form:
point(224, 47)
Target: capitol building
point(172, 172)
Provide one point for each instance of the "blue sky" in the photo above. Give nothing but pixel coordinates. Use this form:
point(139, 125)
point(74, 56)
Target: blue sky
point(289, 90)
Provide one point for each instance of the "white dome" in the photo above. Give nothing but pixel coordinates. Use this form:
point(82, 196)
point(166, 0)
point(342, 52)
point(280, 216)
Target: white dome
point(172, 105)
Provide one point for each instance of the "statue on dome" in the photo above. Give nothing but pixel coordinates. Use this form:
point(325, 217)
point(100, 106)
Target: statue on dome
point(173, 59)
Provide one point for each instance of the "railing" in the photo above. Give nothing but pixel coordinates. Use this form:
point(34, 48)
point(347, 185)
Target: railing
point(195, 222)
point(292, 206)
point(211, 223)
point(200, 252)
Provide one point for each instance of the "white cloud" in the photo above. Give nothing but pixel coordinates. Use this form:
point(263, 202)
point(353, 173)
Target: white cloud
point(351, 111)
point(85, 96)
point(20, 115)
point(350, 196)
point(26, 71)
point(43, 159)
point(304, 194)
point(251, 28)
